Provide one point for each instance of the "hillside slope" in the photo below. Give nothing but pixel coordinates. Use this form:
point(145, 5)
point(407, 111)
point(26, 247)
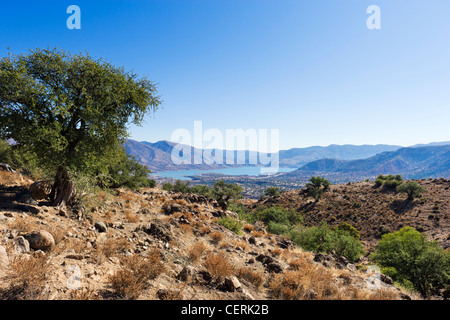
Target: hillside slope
point(375, 210)
point(152, 244)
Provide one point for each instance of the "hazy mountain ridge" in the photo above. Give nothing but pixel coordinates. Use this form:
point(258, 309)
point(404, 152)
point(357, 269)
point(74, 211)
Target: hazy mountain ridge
point(412, 162)
point(157, 156)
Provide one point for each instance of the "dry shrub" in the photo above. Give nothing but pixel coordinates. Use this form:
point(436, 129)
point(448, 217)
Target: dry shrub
point(253, 276)
point(248, 228)
point(218, 265)
point(9, 178)
point(85, 294)
point(130, 216)
point(186, 228)
point(196, 251)
point(276, 252)
point(28, 274)
point(257, 234)
point(135, 273)
point(22, 225)
point(304, 284)
point(78, 245)
point(114, 246)
point(216, 236)
point(241, 244)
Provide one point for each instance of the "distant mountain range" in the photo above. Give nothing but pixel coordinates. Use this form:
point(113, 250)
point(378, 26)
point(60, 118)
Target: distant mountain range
point(360, 160)
point(411, 163)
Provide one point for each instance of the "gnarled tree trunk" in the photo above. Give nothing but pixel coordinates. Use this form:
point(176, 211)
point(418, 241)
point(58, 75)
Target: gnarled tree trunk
point(63, 191)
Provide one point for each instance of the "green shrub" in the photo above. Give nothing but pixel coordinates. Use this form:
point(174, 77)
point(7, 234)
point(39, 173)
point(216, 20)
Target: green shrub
point(389, 181)
point(242, 211)
point(327, 240)
point(230, 223)
point(415, 260)
point(411, 188)
point(277, 228)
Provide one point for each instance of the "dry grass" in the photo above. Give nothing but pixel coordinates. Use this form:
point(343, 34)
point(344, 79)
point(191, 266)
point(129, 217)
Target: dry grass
point(304, 284)
point(257, 234)
point(22, 225)
point(9, 178)
point(130, 216)
point(114, 246)
point(196, 251)
point(218, 265)
point(216, 236)
point(85, 294)
point(135, 273)
point(255, 277)
point(28, 275)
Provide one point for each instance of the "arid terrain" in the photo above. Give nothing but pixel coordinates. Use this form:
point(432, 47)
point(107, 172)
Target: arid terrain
point(152, 244)
point(375, 210)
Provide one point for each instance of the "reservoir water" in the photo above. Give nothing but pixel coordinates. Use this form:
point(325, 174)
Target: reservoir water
point(250, 171)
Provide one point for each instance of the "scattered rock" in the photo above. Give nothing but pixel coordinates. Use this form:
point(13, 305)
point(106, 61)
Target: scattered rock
point(100, 226)
point(21, 245)
point(159, 230)
point(6, 167)
point(274, 267)
point(40, 240)
point(231, 284)
point(187, 273)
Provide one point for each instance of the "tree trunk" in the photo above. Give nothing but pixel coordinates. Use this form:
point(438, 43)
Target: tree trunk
point(63, 190)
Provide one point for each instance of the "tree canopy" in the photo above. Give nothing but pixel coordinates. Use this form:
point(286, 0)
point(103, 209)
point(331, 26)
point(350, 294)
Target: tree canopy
point(70, 110)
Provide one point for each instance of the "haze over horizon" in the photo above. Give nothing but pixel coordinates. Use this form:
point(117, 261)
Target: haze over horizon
point(310, 69)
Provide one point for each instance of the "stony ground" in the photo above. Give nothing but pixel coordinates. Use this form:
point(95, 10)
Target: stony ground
point(151, 245)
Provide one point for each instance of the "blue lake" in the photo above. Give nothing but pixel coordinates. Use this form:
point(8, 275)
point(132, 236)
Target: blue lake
point(250, 171)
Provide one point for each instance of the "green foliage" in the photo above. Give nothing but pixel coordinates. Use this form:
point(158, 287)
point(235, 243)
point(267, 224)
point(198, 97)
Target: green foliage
point(348, 228)
point(411, 188)
point(221, 191)
point(279, 215)
point(328, 240)
point(70, 110)
point(232, 224)
point(317, 186)
point(413, 259)
point(22, 160)
point(389, 181)
point(127, 173)
point(224, 192)
point(277, 228)
point(242, 211)
point(271, 192)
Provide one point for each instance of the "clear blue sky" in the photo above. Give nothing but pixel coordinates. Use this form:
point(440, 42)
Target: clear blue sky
point(311, 68)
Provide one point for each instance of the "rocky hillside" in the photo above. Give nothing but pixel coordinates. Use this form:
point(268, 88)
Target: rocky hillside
point(375, 210)
point(152, 245)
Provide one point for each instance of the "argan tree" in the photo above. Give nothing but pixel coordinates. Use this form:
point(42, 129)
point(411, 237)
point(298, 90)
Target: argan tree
point(317, 186)
point(71, 111)
point(411, 188)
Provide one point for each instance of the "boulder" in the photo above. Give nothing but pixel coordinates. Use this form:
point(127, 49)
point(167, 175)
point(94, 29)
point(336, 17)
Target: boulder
point(40, 240)
point(6, 167)
point(40, 190)
point(21, 245)
point(232, 284)
point(100, 226)
point(187, 273)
